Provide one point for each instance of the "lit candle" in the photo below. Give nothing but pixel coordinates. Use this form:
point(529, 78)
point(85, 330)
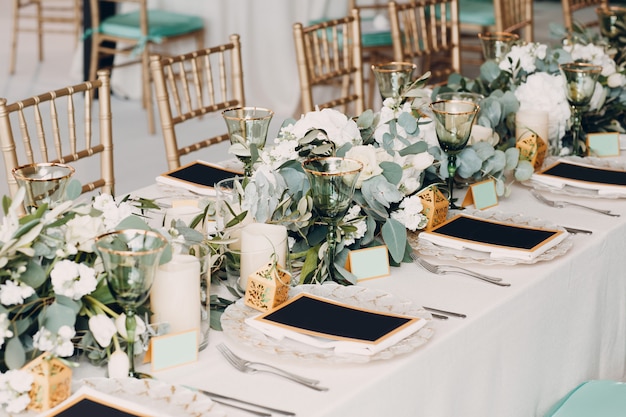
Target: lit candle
point(259, 241)
point(529, 121)
point(175, 294)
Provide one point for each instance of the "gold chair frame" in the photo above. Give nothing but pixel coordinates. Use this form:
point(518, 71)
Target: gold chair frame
point(43, 13)
point(329, 54)
point(427, 31)
point(130, 47)
point(192, 85)
point(570, 7)
point(55, 141)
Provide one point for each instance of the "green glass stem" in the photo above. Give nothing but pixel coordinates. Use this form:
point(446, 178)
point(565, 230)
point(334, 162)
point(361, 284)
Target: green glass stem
point(331, 239)
point(578, 135)
point(451, 174)
point(131, 325)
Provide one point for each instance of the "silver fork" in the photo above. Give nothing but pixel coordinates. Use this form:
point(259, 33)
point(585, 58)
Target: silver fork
point(452, 269)
point(561, 204)
point(247, 366)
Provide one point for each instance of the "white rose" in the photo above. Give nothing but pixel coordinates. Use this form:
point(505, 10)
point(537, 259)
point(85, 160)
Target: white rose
point(82, 230)
point(102, 328)
point(339, 128)
point(422, 160)
point(616, 80)
point(483, 134)
point(366, 154)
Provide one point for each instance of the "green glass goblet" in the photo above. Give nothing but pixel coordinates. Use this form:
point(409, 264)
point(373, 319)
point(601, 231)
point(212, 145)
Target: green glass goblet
point(130, 258)
point(496, 45)
point(247, 130)
point(44, 183)
point(580, 82)
point(332, 183)
point(392, 77)
point(453, 125)
point(612, 22)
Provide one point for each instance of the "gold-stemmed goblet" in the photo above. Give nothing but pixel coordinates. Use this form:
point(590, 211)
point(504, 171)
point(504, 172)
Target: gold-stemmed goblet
point(44, 183)
point(453, 125)
point(496, 45)
point(247, 130)
point(392, 77)
point(332, 181)
point(580, 82)
point(130, 258)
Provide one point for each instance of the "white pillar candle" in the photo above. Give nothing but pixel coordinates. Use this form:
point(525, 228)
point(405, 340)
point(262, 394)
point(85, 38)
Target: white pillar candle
point(532, 121)
point(175, 294)
point(259, 241)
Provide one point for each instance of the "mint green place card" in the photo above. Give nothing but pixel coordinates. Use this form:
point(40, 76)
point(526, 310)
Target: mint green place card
point(174, 349)
point(482, 194)
point(368, 263)
point(603, 144)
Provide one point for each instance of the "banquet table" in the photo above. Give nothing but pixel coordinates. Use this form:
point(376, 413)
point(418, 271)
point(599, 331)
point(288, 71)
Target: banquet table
point(520, 349)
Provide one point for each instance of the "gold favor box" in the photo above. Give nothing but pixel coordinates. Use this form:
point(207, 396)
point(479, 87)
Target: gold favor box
point(533, 149)
point(435, 206)
point(52, 382)
point(267, 288)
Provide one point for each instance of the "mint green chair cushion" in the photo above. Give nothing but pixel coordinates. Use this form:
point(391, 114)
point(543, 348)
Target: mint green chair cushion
point(370, 36)
point(477, 12)
point(161, 23)
point(593, 399)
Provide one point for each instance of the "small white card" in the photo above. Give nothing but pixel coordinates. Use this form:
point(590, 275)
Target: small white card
point(368, 263)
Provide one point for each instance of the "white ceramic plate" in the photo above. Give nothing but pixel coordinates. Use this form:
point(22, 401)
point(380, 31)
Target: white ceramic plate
point(163, 398)
point(234, 326)
point(427, 248)
point(608, 163)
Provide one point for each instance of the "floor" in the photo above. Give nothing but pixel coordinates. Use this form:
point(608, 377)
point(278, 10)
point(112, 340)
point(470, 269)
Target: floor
point(139, 156)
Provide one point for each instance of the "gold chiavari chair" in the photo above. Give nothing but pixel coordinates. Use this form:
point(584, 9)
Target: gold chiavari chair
point(330, 66)
point(44, 16)
point(62, 126)
point(133, 33)
point(193, 85)
point(572, 8)
point(427, 32)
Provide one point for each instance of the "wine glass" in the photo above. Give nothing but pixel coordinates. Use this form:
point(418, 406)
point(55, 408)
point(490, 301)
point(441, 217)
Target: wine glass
point(44, 183)
point(130, 258)
point(391, 77)
point(332, 181)
point(496, 45)
point(580, 82)
point(454, 120)
point(247, 129)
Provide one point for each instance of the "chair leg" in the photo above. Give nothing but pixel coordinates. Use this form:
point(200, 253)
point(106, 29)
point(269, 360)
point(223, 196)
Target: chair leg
point(147, 88)
point(14, 37)
point(39, 30)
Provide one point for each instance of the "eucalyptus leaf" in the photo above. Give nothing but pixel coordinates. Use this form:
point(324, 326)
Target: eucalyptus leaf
point(35, 275)
point(524, 171)
point(414, 149)
point(395, 237)
point(408, 123)
point(73, 189)
point(57, 315)
point(14, 354)
point(392, 172)
point(512, 158)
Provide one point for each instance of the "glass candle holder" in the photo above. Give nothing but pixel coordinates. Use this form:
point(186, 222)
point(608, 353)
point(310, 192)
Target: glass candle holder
point(44, 183)
point(496, 45)
point(392, 77)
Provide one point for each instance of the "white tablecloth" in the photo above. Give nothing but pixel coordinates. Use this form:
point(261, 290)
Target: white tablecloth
point(519, 350)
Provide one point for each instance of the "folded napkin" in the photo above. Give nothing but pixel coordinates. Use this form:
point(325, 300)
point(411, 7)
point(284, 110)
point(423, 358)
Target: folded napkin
point(341, 344)
point(559, 182)
point(499, 240)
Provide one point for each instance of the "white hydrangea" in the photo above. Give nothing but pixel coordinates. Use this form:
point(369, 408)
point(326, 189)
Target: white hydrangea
point(15, 386)
point(545, 92)
point(410, 213)
point(5, 333)
point(112, 213)
point(72, 279)
point(340, 129)
point(523, 57)
point(14, 293)
point(283, 150)
point(361, 225)
point(593, 54)
point(59, 344)
point(80, 233)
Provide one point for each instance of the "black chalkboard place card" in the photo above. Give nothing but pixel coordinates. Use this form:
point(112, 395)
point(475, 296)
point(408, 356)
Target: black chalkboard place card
point(89, 402)
point(326, 323)
point(500, 239)
point(602, 179)
point(198, 176)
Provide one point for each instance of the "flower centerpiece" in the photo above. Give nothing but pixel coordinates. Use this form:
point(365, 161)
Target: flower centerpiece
point(54, 300)
point(391, 146)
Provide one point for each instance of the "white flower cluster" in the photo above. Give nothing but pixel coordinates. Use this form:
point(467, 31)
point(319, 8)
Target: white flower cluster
point(14, 388)
point(59, 344)
point(410, 213)
point(523, 57)
point(5, 333)
point(597, 55)
point(339, 128)
point(72, 279)
point(546, 92)
point(14, 293)
point(361, 226)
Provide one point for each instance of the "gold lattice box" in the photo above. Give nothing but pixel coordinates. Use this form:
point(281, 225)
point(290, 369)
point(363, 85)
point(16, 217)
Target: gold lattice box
point(267, 288)
point(52, 382)
point(532, 148)
point(435, 206)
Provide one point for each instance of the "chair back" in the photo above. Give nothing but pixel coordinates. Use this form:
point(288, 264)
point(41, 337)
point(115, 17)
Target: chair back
point(61, 126)
point(330, 64)
point(193, 85)
point(515, 16)
point(427, 32)
point(572, 7)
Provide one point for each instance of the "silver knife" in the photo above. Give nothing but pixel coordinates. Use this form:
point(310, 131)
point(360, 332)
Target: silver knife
point(444, 312)
point(220, 397)
point(575, 231)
